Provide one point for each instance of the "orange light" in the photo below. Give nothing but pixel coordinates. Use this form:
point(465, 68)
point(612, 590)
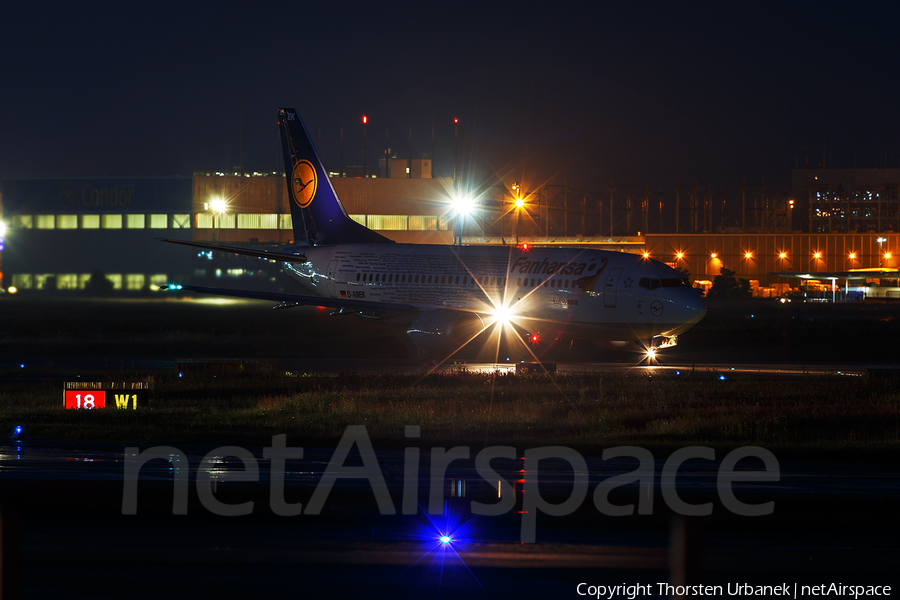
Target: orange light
point(646, 255)
point(853, 256)
point(818, 255)
point(748, 255)
point(887, 254)
point(713, 255)
point(519, 203)
point(782, 255)
point(679, 255)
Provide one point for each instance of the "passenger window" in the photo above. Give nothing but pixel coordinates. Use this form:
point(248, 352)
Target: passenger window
point(443, 279)
point(457, 280)
point(357, 276)
point(552, 283)
point(519, 282)
point(417, 279)
point(429, 278)
point(391, 278)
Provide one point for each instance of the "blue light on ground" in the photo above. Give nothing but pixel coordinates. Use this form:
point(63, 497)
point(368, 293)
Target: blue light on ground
point(445, 539)
point(18, 430)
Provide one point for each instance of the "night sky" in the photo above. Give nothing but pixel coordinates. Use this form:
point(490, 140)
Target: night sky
point(645, 93)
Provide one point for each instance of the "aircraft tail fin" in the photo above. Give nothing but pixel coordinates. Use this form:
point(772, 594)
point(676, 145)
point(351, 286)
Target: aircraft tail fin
point(316, 211)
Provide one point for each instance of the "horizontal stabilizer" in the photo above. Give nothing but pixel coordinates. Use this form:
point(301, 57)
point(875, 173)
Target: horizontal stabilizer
point(279, 256)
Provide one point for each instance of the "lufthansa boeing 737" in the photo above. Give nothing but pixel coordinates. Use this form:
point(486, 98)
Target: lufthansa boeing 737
point(442, 297)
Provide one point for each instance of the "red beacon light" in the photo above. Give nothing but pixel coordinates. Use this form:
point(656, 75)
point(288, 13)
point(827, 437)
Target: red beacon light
point(365, 119)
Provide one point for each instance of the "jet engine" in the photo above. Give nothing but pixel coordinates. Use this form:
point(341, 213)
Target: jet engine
point(437, 333)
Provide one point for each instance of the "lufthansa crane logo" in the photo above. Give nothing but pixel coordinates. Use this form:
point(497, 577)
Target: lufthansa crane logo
point(303, 183)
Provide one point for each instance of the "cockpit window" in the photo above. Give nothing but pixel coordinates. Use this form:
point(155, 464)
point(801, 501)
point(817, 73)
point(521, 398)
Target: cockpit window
point(675, 282)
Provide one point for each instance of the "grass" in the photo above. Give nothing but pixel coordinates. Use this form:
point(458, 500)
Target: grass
point(806, 417)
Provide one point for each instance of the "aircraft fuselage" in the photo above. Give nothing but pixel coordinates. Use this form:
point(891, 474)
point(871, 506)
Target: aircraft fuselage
point(572, 293)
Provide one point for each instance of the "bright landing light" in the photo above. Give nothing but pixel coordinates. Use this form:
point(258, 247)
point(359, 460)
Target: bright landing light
point(651, 353)
point(503, 314)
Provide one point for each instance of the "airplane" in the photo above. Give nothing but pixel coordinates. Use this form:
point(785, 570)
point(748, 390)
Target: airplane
point(442, 297)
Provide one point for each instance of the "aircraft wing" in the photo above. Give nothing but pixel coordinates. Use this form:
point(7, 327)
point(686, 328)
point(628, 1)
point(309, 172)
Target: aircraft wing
point(295, 300)
point(279, 256)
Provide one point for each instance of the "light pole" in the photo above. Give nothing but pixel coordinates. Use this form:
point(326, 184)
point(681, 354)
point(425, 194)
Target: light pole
point(365, 120)
point(520, 203)
point(463, 206)
point(218, 206)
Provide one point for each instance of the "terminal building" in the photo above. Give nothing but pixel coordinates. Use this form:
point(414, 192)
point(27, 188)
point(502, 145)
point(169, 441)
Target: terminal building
point(62, 232)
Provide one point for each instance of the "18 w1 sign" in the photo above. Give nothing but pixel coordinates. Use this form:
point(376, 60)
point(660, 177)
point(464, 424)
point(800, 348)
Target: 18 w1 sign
point(111, 395)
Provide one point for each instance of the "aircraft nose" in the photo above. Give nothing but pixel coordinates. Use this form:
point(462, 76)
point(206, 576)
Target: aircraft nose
point(694, 305)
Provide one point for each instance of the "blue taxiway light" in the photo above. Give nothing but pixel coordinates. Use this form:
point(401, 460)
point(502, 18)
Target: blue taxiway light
point(722, 377)
point(18, 430)
point(445, 539)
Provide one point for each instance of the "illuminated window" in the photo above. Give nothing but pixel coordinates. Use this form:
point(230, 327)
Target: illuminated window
point(90, 221)
point(361, 219)
point(235, 272)
point(83, 280)
point(158, 221)
point(134, 281)
point(158, 280)
point(116, 280)
point(254, 221)
point(285, 222)
point(204, 221)
point(22, 281)
point(111, 221)
point(224, 220)
point(444, 223)
point(67, 221)
point(45, 221)
point(181, 221)
point(21, 222)
point(67, 281)
point(44, 281)
point(388, 222)
point(134, 221)
point(422, 223)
